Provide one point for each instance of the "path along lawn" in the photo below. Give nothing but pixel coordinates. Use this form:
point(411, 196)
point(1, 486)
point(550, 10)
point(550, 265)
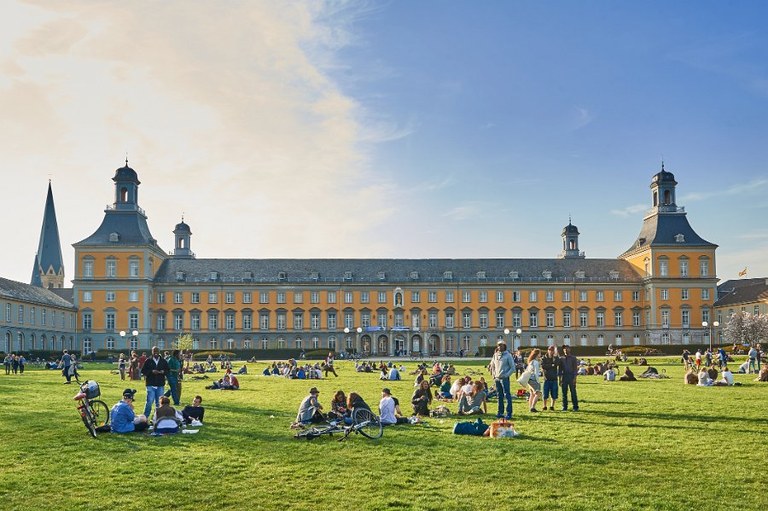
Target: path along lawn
point(654, 444)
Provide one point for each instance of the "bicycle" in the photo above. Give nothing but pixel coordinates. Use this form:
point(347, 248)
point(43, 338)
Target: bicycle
point(363, 422)
point(94, 412)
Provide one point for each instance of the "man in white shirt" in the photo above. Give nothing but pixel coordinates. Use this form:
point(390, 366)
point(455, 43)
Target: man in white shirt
point(387, 408)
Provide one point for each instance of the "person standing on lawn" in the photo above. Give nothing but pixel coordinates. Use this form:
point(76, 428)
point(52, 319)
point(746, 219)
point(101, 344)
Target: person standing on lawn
point(66, 361)
point(328, 367)
point(569, 367)
point(502, 366)
point(174, 370)
point(550, 364)
point(154, 370)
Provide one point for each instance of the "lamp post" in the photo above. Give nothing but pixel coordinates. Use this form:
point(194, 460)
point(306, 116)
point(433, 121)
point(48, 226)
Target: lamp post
point(122, 337)
point(714, 324)
point(519, 333)
point(357, 339)
point(346, 336)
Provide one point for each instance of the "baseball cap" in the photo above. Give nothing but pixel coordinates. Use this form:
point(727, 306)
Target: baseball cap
point(129, 393)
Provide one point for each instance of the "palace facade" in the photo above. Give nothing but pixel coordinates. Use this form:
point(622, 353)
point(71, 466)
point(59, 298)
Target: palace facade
point(131, 294)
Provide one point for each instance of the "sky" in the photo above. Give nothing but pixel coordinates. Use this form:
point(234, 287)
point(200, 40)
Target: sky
point(394, 129)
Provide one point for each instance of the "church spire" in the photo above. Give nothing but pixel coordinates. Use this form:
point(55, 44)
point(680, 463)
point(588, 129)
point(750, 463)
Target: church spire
point(48, 270)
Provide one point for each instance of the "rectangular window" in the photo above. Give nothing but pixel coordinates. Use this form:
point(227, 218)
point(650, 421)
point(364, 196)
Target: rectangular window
point(684, 294)
point(178, 297)
point(42, 315)
point(331, 296)
point(500, 319)
point(665, 318)
point(110, 296)
point(332, 320)
point(109, 321)
point(466, 296)
point(704, 268)
point(600, 319)
point(635, 318)
point(399, 319)
point(483, 320)
point(583, 296)
point(466, 319)
point(483, 296)
point(281, 297)
point(499, 296)
point(87, 269)
point(449, 319)
point(432, 318)
point(532, 296)
point(365, 297)
point(686, 317)
point(87, 321)
point(133, 268)
point(87, 296)
point(381, 320)
point(583, 319)
point(194, 319)
point(432, 296)
point(229, 297)
point(618, 318)
point(618, 296)
point(705, 294)
point(264, 321)
point(264, 297)
point(161, 321)
point(314, 321)
point(178, 321)
point(550, 319)
point(32, 315)
point(213, 297)
point(349, 320)
point(160, 297)
point(515, 296)
point(298, 297)
point(133, 296)
point(665, 294)
point(349, 297)
point(247, 298)
point(600, 296)
point(111, 268)
point(549, 296)
point(663, 267)
point(449, 296)
point(298, 321)
point(415, 296)
point(133, 320)
point(213, 320)
point(382, 297)
point(416, 321)
point(683, 268)
point(566, 296)
point(566, 319)
point(705, 315)
point(281, 321)
point(229, 321)
point(195, 297)
point(517, 319)
point(533, 319)
point(365, 319)
point(314, 297)
point(635, 296)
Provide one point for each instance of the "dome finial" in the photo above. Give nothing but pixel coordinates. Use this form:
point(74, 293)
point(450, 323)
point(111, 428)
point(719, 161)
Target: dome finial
point(126, 158)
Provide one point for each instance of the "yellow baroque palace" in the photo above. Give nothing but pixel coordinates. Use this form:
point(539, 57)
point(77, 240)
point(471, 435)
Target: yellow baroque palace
point(131, 294)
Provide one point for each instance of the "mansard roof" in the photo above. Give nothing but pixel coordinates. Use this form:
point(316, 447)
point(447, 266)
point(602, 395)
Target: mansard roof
point(664, 229)
point(395, 271)
point(743, 291)
point(130, 226)
point(31, 294)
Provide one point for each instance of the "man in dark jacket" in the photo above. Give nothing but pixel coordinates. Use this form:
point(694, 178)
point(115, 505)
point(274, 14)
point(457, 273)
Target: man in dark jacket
point(155, 370)
point(569, 367)
point(550, 364)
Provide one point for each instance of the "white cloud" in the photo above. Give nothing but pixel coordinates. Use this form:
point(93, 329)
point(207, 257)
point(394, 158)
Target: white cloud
point(630, 210)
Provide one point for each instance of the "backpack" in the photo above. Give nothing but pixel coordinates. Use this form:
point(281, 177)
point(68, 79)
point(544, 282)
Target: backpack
point(476, 428)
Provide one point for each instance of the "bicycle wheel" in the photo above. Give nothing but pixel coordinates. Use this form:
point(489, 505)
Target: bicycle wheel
point(100, 412)
point(367, 423)
point(310, 434)
point(88, 420)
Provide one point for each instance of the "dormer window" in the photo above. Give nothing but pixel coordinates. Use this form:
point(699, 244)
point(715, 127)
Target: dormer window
point(282, 275)
point(680, 238)
point(214, 275)
point(514, 274)
point(114, 237)
point(248, 276)
point(347, 275)
point(580, 274)
point(179, 275)
point(314, 276)
point(414, 275)
point(382, 275)
point(448, 275)
point(481, 275)
point(614, 275)
point(546, 274)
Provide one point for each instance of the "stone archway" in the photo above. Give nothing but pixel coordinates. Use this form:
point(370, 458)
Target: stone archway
point(382, 345)
point(416, 345)
point(365, 344)
point(435, 347)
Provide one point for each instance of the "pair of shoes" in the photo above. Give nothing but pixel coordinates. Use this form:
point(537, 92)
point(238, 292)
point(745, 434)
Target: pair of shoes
point(534, 410)
point(545, 408)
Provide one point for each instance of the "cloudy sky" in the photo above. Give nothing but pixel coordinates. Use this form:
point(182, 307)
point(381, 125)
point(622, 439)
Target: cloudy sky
point(386, 129)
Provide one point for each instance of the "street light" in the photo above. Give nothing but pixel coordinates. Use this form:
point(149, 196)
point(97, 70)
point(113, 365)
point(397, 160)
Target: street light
point(705, 325)
point(519, 333)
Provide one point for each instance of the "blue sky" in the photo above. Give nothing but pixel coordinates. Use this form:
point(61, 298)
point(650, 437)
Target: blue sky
point(388, 129)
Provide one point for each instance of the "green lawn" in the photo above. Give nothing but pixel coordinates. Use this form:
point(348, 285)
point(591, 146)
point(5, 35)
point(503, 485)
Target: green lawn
point(634, 445)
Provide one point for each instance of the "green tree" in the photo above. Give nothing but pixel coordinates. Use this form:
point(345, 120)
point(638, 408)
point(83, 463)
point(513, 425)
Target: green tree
point(184, 342)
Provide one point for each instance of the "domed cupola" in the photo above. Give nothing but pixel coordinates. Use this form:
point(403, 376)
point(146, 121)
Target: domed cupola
point(183, 235)
point(571, 242)
point(126, 188)
point(663, 191)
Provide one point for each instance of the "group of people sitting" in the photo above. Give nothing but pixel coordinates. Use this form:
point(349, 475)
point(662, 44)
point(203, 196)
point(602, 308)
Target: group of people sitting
point(307, 371)
point(228, 382)
point(708, 377)
point(343, 407)
point(166, 419)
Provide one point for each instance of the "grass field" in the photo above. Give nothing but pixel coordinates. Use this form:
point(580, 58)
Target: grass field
point(634, 445)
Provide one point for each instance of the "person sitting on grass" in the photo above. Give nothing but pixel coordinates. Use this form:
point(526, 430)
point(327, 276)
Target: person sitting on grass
point(166, 420)
point(609, 374)
point(421, 399)
point(194, 412)
point(743, 368)
point(474, 402)
point(763, 376)
point(456, 388)
point(384, 374)
point(354, 402)
point(628, 375)
point(339, 406)
point(122, 417)
point(704, 379)
point(727, 380)
point(444, 394)
point(394, 374)
point(388, 408)
point(243, 370)
point(690, 377)
point(310, 410)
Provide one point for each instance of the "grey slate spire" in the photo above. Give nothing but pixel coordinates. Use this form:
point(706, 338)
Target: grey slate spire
point(49, 264)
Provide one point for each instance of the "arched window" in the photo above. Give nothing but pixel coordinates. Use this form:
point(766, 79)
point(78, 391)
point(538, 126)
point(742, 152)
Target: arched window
point(124, 194)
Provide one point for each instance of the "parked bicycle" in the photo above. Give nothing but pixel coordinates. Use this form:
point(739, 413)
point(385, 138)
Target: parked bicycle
point(363, 422)
point(94, 412)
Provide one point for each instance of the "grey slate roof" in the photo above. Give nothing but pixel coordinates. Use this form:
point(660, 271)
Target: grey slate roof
point(31, 294)
point(36, 280)
point(49, 247)
point(663, 228)
point(399, 271)
point(131, 226)
point(743, 292)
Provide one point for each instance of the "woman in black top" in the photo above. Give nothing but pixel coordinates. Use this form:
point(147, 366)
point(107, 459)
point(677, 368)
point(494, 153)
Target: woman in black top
point(421, 399)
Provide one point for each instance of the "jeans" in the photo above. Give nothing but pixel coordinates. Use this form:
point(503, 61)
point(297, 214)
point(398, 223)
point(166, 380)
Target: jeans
point(173, 389)
point(502, 389)
point(569, 384)
point(153, 395)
